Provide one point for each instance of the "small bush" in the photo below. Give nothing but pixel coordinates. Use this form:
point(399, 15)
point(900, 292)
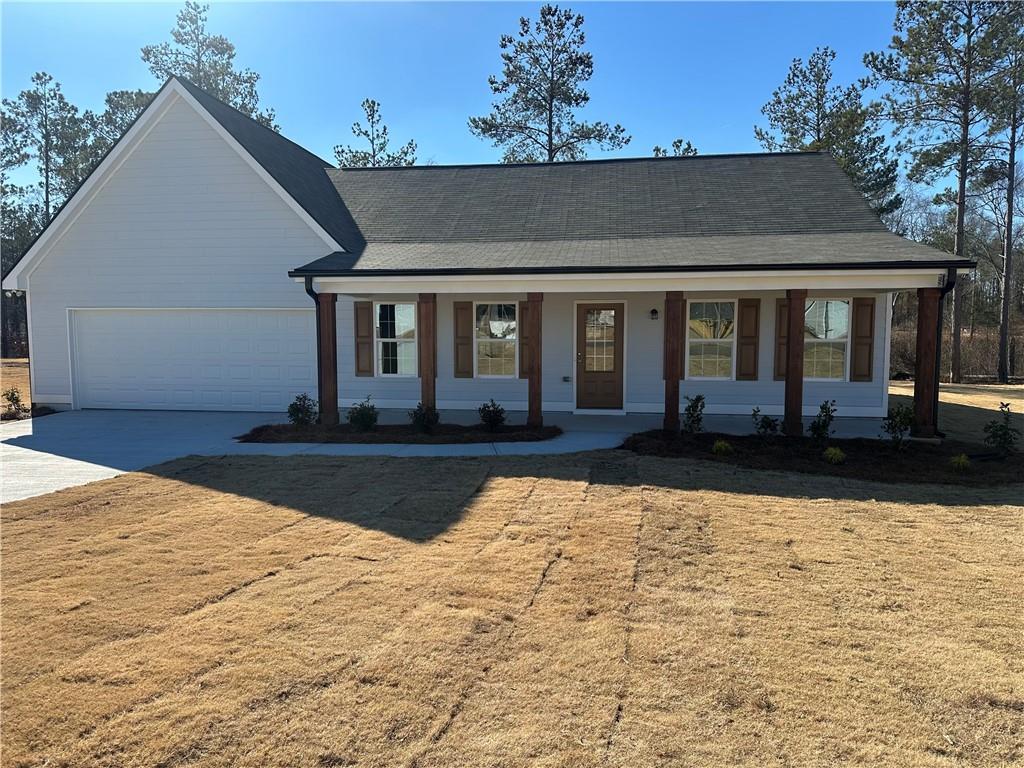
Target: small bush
point(363, 415)
point(960, 463)
point(821, 426)
point(765, 426)
point(722, 448)
point(896, 425)
point(834, 455)
point(424, 417)
point(12, 397)
point(693, 415)
point(303, 410)
point(492, 415)
point(999, 433)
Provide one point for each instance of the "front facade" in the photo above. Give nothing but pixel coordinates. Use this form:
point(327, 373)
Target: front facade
point(209, 263)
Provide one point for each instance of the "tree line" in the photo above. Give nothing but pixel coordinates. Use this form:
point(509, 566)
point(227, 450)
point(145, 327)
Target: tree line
point(944, 101)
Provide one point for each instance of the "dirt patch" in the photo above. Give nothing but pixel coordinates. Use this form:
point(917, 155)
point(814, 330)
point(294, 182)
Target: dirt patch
point(597, 609)
point(876, 460)
point(395, 433)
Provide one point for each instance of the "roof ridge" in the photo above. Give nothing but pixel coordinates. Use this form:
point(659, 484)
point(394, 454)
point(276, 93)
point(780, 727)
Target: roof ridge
point(590, 161)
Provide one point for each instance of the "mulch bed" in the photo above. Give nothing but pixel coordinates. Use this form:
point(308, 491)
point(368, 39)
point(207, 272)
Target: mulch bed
point(395, 433)
point(866, 459)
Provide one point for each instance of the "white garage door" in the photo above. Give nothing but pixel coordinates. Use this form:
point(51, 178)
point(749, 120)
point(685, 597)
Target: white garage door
point(194, 359)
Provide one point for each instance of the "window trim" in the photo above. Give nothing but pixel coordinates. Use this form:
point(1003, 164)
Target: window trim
point(476, 370)
point(686, 330)
point(378, 358)
point(846, 342)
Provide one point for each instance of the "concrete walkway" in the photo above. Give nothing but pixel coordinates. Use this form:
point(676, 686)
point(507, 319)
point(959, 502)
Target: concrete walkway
point(43, 455)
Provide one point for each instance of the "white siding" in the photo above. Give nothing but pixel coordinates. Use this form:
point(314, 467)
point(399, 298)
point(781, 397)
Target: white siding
point(184, 222)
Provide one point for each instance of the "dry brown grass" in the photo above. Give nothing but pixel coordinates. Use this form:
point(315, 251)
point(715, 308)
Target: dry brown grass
point(599, 609)
point(965, 408)
point(14, 373)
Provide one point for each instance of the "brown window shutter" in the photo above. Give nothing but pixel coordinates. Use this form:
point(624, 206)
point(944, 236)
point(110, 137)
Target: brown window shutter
point(748, 327)
point(781, 331)
point(862, 339)
point(523, 333)
point(682, 347)
point(364, 338)
point(463, 314)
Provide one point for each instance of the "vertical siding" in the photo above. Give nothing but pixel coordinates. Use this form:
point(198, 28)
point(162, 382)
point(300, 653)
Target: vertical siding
point(184, 222)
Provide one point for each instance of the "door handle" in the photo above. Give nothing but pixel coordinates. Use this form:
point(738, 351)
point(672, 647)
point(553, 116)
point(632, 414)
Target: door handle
point(579, 357)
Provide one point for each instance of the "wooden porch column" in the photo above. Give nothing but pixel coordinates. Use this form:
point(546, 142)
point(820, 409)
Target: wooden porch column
point(792, 421)
point(929, 301)
point(673, 358)
point(327, 357)
point(426, 331)
point(534, 308)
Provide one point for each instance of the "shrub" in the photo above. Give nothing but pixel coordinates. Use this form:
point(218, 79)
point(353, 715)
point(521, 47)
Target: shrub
point(1000, 433)
point(693, 415)
point(960, 463)
point(492, 415)
point(821, 426)
point(834, 455)
point(15, 406)
point(424, 417)
point(722, 448)
point(363, 415)
point(897, 424)
point(765, 426)
point(303, 410)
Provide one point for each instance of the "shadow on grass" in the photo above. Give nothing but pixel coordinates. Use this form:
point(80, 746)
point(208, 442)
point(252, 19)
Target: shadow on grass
point(967, 422)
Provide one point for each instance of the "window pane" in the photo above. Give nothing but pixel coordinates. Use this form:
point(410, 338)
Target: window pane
point(496, 321)
point(824, 360)
point(710, 359)
point(826, 319)
point(496, 358)
point(386, 321)
point(600, 335)
point(711, 320)
point(407, 358)
point(405, 321)
point(389, 357)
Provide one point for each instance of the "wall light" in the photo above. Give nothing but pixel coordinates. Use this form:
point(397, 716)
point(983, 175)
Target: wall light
point(654, 314)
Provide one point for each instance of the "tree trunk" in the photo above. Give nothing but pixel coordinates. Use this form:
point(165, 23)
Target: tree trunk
point(1003, 368)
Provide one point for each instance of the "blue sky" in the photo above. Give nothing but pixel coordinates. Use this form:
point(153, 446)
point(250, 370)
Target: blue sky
point(697, 70)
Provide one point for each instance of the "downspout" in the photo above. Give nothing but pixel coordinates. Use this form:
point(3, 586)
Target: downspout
point(316, 301)
point(946, 288)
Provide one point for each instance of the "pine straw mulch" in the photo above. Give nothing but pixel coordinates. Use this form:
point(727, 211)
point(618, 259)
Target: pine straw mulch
point(395, 433)
point(866, 459)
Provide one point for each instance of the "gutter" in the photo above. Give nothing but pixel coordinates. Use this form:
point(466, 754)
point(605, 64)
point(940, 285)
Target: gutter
point(948, 286)
point(315, 297)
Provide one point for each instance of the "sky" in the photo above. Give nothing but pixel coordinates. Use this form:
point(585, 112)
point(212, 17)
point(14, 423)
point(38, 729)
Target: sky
point(700, 71)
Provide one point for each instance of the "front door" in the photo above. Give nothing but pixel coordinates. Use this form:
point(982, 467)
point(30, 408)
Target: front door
point(599, 337)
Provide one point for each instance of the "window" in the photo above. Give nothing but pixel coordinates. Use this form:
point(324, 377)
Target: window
point(600, 354)
point(711, 339)
point(495, 339)
point(826, 332)
point(394, 333)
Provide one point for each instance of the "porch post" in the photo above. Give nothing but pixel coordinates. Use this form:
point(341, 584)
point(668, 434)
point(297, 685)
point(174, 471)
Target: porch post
point(673, 358)
point(534, 308)
point(427, 333)
point(792, 422)
point(327, 357)
point(925, 383)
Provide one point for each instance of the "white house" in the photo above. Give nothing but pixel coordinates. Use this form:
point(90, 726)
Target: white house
point(210, 263)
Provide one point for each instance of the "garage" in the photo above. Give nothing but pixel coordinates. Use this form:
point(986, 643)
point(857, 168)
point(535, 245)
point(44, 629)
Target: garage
point(192, 359)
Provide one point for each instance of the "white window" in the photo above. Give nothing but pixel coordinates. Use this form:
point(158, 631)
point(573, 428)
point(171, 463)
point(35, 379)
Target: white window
point(495, 338)
point(826, 335)
point(394, 335)
point(710, 339)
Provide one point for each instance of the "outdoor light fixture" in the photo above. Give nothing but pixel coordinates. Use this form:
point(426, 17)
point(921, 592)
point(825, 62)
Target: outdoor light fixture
point(654, 314)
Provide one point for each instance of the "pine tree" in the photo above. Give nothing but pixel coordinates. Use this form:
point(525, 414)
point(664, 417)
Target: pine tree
point(680, 148)
point(810, 113)
point(376, 135)
point(540, 92)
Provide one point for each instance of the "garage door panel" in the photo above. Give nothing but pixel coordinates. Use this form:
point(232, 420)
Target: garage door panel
point(229, 359)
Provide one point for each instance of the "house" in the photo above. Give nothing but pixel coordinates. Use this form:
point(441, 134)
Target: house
point(210, 263)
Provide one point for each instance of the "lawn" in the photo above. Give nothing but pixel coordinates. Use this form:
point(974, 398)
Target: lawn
point(14, 373)
point(596, 609)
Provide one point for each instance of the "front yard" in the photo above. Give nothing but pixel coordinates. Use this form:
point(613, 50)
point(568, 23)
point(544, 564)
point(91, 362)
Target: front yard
point(597, 609)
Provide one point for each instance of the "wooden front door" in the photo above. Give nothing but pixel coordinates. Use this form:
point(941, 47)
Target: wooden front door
point(599, 337)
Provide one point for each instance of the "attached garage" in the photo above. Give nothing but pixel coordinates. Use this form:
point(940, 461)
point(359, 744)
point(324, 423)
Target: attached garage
point(192, 359)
